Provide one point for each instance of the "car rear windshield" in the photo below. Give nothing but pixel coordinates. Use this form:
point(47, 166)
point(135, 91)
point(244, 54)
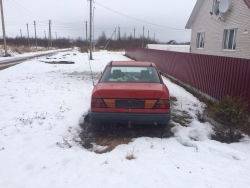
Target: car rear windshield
point(130, 74)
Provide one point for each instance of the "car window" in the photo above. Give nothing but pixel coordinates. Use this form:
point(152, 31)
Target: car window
point(130, 74)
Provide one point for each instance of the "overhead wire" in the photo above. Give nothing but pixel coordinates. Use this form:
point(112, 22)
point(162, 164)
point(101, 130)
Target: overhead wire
point(29, 10)
point(20, 10)
point(137, 18)
point(42, 23)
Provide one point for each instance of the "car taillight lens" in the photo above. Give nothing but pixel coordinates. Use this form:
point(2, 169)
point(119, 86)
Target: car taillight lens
point(98, 103)
point(162, 104)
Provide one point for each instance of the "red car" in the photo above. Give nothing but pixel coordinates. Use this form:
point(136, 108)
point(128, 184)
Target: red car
point(130, 92)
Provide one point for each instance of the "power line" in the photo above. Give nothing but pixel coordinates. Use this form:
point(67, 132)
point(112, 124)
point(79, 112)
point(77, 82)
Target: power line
point(19, 9)
point(136, 18)
point(16, 6)
point(29, 10)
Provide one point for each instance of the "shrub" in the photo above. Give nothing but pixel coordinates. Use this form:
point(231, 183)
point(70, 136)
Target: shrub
point(231, 113)
point(83, 49)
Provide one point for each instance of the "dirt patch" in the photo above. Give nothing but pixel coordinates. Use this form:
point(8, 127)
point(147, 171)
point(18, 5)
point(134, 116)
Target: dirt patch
point(108, 136)
point(59, 62)
point(7, 66)
point(111, 135)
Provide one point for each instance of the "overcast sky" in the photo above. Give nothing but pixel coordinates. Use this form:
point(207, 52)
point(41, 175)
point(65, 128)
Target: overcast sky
point(164, 18)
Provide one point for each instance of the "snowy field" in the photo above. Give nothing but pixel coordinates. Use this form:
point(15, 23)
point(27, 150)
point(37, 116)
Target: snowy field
point(40, 110)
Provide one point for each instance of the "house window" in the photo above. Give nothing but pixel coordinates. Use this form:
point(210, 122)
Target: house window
point(215, 8)
point(229, 41)
point(200, 40)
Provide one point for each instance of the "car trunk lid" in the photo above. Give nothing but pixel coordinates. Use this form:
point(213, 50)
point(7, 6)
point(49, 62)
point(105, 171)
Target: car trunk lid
point(130, 90)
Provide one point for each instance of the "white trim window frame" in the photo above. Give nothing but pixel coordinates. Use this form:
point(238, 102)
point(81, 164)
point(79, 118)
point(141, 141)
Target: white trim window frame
point(229, 39)
point(200, 40)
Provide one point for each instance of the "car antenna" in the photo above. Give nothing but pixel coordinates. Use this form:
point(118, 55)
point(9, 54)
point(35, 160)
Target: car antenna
point(91, 70)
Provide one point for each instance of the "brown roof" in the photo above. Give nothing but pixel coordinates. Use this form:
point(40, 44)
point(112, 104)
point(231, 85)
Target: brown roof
point(248, 3)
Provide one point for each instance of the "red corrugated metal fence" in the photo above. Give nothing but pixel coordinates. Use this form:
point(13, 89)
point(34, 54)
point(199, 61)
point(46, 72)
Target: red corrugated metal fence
point(214, 75)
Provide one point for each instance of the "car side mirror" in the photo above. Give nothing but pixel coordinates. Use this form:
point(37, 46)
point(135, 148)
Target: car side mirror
point(160, 72)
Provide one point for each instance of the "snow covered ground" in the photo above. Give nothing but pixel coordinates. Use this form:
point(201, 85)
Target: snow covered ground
point(16, 56)
point(40, 109)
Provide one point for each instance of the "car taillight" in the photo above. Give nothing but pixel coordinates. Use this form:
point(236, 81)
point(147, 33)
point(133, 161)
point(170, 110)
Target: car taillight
point(162, 104)
point(98, 103)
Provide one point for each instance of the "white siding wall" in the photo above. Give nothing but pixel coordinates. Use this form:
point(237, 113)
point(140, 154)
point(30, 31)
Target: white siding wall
point(174, 48)
point(237, 17)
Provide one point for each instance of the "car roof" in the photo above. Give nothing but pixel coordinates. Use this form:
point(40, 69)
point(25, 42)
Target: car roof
point(130, 63)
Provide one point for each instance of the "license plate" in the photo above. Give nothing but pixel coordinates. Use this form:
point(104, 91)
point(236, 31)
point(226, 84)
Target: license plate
point(129, 104)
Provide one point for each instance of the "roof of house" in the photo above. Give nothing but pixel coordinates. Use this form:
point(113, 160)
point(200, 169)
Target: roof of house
point(194, 13)
point(197, 8)
point(172, 42)
point(248, 3)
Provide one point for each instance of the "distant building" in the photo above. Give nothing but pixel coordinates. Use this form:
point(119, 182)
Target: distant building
point(173, 42)
point(220, 27)
point(174, 48)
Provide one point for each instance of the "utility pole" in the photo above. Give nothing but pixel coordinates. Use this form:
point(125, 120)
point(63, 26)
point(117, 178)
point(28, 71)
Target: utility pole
point(93, 24)
point(86, 31)
point(119, 34)
point(3, 27)
point(109, 40)
point(21, 33)
point(134, 33)
point(90, 31)
point(148, 35)
point(115, 41)
point(143, 37)
point(50, 41)
point(87, 34)
point(45, 38)
point(56, 35)
point(154, 36)
point(35, 33)
point(93, 29)
point(28, 34)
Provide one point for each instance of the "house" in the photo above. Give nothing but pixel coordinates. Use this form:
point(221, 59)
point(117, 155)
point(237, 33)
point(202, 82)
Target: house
point(220, 27)
point(173, 42)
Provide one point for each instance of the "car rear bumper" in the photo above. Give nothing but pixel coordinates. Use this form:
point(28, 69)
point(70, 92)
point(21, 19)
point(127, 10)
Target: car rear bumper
point(134, 118)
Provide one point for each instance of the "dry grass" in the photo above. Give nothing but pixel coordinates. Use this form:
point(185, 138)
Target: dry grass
point(113, 135)
point(130, 155)
point(83, 49)
point(102, 138)
point(182, 117)
point(111, 143)
point(24, 49)
point(179, 116)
